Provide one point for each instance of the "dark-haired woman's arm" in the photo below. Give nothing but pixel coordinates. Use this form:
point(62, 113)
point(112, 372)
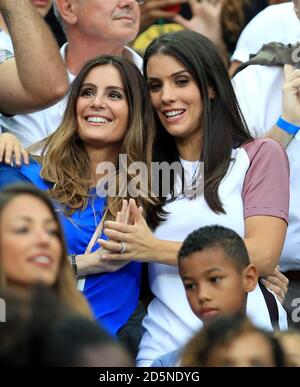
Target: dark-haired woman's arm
point(140, 243)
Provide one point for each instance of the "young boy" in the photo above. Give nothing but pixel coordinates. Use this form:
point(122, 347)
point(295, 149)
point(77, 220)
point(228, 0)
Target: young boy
point(217, 275)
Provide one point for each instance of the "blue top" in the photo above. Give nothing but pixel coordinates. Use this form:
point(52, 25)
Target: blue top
point(113, 296)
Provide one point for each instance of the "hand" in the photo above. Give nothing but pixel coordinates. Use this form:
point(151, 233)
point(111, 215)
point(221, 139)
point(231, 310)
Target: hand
point(277, 283)
point(138, 239)
point(93, 263)
point(291, 95)
point(206, 19)
point(152, 10)
point(11, 148)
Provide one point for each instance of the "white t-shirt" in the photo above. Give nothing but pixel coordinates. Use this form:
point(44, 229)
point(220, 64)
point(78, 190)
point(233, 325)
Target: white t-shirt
point(258, 89)
point(276, 23)
point(33, 127)
point(246, 190)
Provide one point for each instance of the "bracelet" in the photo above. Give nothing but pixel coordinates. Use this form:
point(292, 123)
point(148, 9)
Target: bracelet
point(74, 264)
point(287, 126)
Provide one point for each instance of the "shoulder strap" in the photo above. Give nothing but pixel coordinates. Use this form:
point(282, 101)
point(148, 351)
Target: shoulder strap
point(96, 234)
point(271, 305)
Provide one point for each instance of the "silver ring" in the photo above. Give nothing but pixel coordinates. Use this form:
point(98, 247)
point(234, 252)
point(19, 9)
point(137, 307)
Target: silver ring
point(123, 247)
point(282, 294)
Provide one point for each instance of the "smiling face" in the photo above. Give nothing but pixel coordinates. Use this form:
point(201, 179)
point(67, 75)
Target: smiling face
point(42, 6)
point(102, 108)
point(213, 285)
point(31, 249)
point(175, 97)
point(113, 20)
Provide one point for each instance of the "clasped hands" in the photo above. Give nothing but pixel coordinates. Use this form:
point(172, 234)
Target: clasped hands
point(129, 239)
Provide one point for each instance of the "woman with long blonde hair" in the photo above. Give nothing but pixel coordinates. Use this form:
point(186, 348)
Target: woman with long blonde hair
point(108, 114)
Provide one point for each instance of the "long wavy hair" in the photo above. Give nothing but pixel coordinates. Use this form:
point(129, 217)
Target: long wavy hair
point(223, 125)
point(65, 162)
point(64, 286)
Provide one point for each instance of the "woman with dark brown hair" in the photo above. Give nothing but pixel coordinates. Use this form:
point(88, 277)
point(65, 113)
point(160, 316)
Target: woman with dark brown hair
point(224, 177)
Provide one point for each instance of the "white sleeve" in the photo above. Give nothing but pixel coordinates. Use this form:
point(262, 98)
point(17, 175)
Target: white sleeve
point(250, 40)
point(258, 90)
point(246, 98)
point(247, 43)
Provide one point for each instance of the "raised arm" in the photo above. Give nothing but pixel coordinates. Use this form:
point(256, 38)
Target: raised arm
point(290, 107)
point(36, 77)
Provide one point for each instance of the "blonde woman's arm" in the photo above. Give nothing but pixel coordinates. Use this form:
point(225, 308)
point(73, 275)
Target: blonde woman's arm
point(93, 263)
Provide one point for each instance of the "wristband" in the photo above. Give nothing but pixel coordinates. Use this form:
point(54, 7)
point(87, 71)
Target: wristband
point(287, 126)
point(74, 263)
